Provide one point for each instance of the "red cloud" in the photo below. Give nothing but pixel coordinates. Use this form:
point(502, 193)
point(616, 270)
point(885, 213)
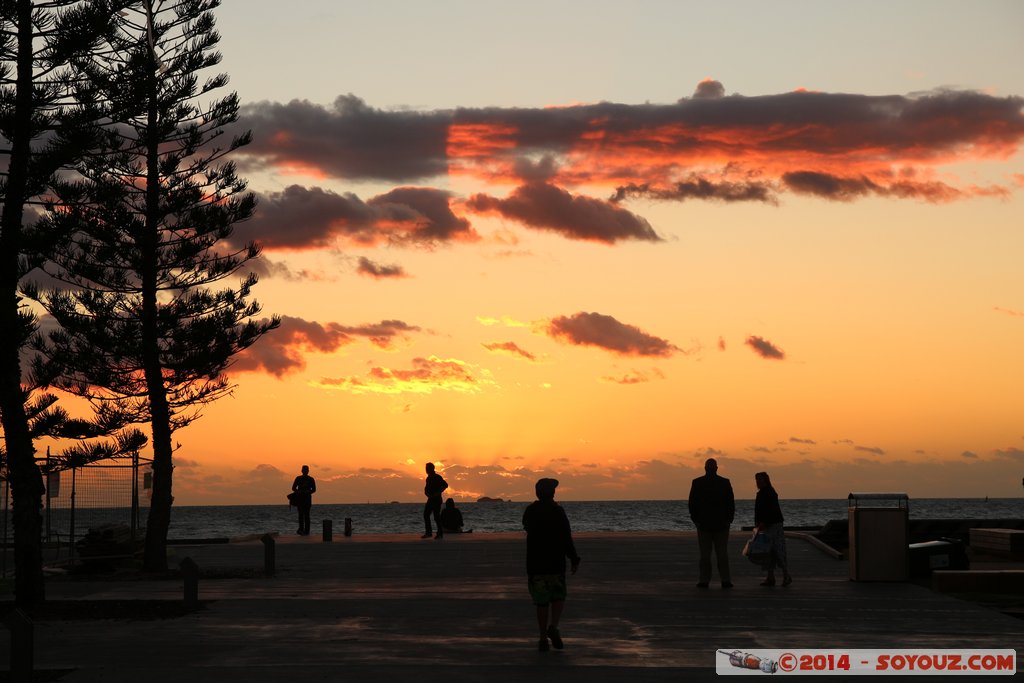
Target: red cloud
point(281, 351)
point(426, 376)
point(604, 331)
point(510, 348)
point(753, 145)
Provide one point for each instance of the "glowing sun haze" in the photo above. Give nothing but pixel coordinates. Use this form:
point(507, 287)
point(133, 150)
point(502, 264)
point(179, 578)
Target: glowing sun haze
point(601, 245)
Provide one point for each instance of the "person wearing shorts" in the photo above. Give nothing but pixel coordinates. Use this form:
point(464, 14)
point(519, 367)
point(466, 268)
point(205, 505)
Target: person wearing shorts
point(548, 544)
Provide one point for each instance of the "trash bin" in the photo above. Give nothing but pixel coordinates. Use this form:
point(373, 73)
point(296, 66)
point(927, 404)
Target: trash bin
point(879, 536)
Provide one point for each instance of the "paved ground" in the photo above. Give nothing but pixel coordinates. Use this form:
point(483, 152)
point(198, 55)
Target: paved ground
point(403, 609)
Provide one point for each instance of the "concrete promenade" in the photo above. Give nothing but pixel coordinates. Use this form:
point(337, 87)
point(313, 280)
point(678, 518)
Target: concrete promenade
point(397, 608)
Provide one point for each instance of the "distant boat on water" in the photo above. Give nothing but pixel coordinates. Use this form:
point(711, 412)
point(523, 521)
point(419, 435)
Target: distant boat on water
point(487, 499)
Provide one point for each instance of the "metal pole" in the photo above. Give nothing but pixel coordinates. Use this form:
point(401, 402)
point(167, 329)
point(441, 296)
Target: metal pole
point(71, 532)
point(135, 493)
point(4, 553)
point(49, 496)
point(190, 578)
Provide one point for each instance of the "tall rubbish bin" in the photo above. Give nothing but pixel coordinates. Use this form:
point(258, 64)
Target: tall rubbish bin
point(879, 536)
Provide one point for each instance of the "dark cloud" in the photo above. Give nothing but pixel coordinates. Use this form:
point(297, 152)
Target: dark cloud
point(347, 140)
point(604, 331)
point(828, 185)
point(268, 268)
point(700, 188)
point(510, 348)
point(427, 213)
point(875, 450)
point(709, 89)
point(379, 271)
point(301, 218)
point(808, 442)
point(540, 205)
point(834, 145)
point(281, 351)
point(969, 455)
point(1011, 453)
point(765, 348)
point(835, 187)
point(653, 479)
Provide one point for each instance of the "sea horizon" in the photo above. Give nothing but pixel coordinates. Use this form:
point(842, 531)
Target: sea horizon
point(232, 521)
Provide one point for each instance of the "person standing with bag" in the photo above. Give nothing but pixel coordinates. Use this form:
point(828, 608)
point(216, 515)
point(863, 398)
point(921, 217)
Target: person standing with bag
point(768, 519)
point(303, 489)
point(433, 487)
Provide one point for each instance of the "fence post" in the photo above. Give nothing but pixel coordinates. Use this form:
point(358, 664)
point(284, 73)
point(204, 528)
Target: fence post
point(268, 554)
point(22, 646)
point(328, 530)
point(348, 526)
point(190, 575)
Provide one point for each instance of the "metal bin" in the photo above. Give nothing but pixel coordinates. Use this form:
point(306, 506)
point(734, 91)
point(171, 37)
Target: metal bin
point(879, 536)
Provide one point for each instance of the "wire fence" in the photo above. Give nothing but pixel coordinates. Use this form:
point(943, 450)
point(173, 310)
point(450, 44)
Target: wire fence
point(97, 497)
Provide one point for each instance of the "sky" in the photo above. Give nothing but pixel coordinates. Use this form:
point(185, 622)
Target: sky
point(604, 242)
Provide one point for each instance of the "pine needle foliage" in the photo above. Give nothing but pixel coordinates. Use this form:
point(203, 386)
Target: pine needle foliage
point(151, 316)
point(46, 126)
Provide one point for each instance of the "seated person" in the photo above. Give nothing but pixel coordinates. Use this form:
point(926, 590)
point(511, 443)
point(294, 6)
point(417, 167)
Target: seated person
point(451, 518)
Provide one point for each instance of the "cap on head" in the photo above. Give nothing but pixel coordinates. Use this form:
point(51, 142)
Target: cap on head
point(546, 488)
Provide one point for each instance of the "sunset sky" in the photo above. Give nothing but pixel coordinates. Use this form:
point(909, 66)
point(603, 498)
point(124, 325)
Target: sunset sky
point(602, 242)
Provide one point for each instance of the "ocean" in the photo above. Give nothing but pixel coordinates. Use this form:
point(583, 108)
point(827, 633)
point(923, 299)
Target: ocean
point(231, 521)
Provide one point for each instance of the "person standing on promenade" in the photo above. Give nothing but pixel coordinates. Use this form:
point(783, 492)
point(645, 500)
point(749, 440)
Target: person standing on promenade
point(433, 488)
point(768, 518)
point(712, 508)
point(548, 543)
point(304, 487)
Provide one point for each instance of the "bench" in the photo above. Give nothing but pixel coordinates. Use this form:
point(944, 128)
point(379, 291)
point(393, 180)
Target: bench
point(1004, 542)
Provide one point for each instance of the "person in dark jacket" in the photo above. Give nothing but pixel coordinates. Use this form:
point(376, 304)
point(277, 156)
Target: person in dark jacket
point(304, 487)
point(451, 518)
point(712, 508)
point(434, 486)
point(768, 518)
point(548, 544)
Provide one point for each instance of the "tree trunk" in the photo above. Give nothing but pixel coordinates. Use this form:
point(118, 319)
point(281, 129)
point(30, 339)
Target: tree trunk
point(159, 520)
point(25, 478)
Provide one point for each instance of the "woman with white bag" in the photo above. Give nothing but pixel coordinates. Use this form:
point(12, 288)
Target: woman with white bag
point(768, 520)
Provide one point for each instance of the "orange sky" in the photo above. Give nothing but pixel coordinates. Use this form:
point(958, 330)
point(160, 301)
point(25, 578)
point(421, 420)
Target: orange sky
point(804, 266)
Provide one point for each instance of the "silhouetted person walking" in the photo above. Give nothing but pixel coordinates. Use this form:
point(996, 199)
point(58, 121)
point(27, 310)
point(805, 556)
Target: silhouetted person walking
point(712, 508)
point(304, 487)
point(548, 543)
point(433, 488)
point(768, 518)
